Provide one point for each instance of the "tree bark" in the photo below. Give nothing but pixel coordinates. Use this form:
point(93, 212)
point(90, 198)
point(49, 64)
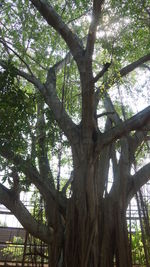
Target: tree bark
point(95, 233)
point(90, 242)
point(81, 240)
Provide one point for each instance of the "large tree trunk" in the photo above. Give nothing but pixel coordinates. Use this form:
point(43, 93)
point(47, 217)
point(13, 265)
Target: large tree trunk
point(97, 243)
point(95, 233)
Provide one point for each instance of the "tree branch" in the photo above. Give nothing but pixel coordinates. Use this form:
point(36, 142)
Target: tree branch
point(141, 177)
point(126, 70)
point(65, 187)
point(17, 55)
point(103, 168)
point(60, 64)
point(30, 78)
point(23, 215)
point(54, 20)
point(123, 72)
point(30, 171)
point(49, 92)
point(102, 72)
point(146, 66)
point(111, 109)
point(42, 150)
point(136, 140)
point(97, 6)
point(104, 114)
point(134, 123)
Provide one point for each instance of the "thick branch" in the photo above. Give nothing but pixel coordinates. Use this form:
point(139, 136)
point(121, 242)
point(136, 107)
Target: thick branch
point(65, 187)
point(8, 199)
point(136, 140)
point(103, 169)
point(97, 5)
point(146, 66)
point(44, 186)
point(126, 70)
point(49, 92)
point(104, 114)
point(30, 171)
point(140, 178)
point(54, 20)
point(134, 123)
point(42, 153)
point(114, 163)
point(111, 109)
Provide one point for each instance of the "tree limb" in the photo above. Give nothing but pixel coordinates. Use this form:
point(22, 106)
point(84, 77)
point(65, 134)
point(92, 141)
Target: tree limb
point(123, 72)
point(103, 167)
point(97, 6)
point(102, 72)
point(44, 186)
point(49, 92)
point(126, 70)
point(134, 123)
point(146, 66)
point(30, 78)
point(136, 140)
point(65, 187)
point(104, 114)
point(54, 20)
point(17, 55)
point(141, 177)
point(111, 109)
point(42, 150)
point(60, 64)
point(23, 215)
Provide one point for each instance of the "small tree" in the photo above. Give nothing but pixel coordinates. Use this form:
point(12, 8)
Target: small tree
point(66, 59)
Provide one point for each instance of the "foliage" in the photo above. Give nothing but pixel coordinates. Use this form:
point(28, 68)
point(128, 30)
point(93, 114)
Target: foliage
point(137, 248)
point(16, 250)
point(17, 108)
